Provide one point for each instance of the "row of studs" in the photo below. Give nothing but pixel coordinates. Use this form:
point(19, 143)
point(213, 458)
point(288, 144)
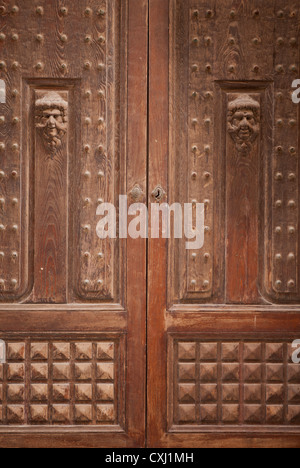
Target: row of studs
point(63, 11)
point(88, 39)
point(207, 40)
point(200, 141)
point(210, 14)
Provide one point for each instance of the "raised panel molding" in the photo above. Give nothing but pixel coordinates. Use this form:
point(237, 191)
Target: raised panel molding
point(231, 384)
point(66, 382)
point(51, 185)
point(245, 51)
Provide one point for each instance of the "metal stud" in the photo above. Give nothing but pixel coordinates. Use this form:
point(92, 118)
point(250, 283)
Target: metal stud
point(278, 230)
point(14, 93)
point(2, 65)
point(2, 146)
point(15, 65)
point(279, 68)
point(88, 39)
point(101, 66)
point(280, 14)
point(194, 68)
point(14, 283)
point(280, 41)
point(279, 122)
point(86, 255)
point(88, 94)
point(101, 149)
point(292, 122)
point(63, 11)
point(15, 37)
point(231, 68)
point(195, 41)
point(208, 68)
point(291, 284)
point(100, 282)
point(101, 94)
point(14, 174)
point(101, 121)
point(231, 41)
point(279, 176)
point(278, 257)
point(207, 148)
point(87, 174)
point(88, 11)
point(2, 37)
point(16, 120)
point(291, 256)
point(291, 230)
point(15, 9)
point(15, 201)
point(292, 204)
point(2, 255)
point(292, 150)
point(292, 176)
point(2, 201)
point(232, 14)
point(63, 37)
point(100, 174)
point(207, 175)
point(2, 174)
point(39, 66)
point(87, 148)
point(87, 65)
point(194, 175)
point(255, 13)
point(2, 227)
point(86, 283)
point(256, 68)
point(278, 284)
point(101, 40)
point(208, 14)
point(101, 12)
point(278, 204)
point(88, 121)
point(86, 227)
point(14, 228)
point(2, 10)
point(206, 284)
point(256, 40)
point(193, 283)
point(194, 256)
point(279, 149)
point(15, 147)
point(14, 255)
point(100, 255)
point(293, 68)
point(39, 10)
point(40, 37)
point(293, 41)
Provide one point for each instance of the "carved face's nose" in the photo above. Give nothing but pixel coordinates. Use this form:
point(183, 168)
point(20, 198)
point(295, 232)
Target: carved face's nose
point(51, 122)
point(244, 124)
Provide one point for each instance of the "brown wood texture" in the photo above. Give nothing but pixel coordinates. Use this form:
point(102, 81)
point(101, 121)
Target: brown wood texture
point(220, 372)
point(73, 134)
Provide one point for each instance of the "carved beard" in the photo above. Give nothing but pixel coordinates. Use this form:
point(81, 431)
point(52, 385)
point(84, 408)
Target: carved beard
point(53, 142)
point(244, 142)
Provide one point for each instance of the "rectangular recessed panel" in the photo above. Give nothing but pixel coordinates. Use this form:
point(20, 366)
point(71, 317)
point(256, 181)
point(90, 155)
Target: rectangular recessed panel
point(224, 383)
point(62, 382)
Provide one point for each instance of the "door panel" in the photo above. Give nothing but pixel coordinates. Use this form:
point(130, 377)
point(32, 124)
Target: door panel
point(72, 320)
point(225, 316)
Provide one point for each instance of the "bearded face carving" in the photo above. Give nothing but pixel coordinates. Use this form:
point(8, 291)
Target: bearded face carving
point(52, 119)
point(244, 122)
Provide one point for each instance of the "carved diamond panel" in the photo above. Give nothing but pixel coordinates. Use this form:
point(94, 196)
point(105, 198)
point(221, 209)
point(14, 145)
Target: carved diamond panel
point(246, 383)
point(60, 382)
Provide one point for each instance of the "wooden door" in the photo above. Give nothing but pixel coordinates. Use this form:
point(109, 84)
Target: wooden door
point(72, 306)
point(223, 131)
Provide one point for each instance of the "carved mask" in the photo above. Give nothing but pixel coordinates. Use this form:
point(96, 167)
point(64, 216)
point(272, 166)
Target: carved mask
point(243, 122)
point(52, 119)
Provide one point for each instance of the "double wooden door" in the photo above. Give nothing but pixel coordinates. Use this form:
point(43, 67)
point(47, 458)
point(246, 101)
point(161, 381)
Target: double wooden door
point(163, 101)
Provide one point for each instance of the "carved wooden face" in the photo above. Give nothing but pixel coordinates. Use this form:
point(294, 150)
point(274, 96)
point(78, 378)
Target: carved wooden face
point(51, 117)
point(52, 121)
point(244, 124)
